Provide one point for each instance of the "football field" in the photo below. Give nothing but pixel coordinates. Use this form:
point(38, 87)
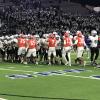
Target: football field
point(43, 82)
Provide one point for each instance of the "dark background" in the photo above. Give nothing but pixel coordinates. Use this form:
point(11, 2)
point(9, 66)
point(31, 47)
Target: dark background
point(83, 2)
point(89, 2)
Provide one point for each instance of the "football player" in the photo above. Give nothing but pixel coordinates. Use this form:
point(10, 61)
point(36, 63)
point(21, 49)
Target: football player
point(94, 47)
point(67, 46)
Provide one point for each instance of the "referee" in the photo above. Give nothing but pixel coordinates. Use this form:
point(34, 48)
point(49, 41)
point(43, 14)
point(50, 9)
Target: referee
point(94, 47)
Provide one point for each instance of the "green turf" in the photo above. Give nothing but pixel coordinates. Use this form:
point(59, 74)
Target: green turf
point(70, 86)
point(60, 87)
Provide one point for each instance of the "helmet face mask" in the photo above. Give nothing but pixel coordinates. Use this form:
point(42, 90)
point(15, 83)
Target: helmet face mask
point(57, 37)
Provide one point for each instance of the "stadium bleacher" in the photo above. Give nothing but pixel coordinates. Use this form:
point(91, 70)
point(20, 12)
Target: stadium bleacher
point(45, 16)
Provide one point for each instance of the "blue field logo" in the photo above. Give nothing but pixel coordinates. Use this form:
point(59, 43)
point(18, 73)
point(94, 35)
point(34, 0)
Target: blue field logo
point(95, 77)
point(19, 76)
point(59, 72)
point(49, 73)
point(45, 73)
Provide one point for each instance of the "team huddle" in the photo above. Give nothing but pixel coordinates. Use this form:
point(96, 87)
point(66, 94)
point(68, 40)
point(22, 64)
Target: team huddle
point(50, 48)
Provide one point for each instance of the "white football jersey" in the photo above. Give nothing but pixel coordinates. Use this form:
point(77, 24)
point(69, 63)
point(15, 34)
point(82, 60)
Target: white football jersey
point(58, 43)
point(1, 44)
point(94, 41)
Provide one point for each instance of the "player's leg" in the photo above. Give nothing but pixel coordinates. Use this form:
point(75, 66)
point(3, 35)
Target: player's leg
point(79, 58)
point(64, 57)
point(35, 57)
point(49, 56)
point(54, 55)
point(69, 57)
point(92, 55)
point(96, 55)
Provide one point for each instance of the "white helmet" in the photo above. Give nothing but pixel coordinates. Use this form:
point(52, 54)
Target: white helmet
point(93, 32)
point(55, 33)
point(36, 36)
point(78, 32)
point(2, 37)
point(45, 35)
point(67, 31)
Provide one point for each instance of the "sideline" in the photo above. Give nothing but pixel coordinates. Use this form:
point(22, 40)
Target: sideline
point(15, 70)
point(84, 77)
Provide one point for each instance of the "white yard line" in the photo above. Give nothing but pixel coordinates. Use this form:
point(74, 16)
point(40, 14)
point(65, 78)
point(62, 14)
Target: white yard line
point(2, 99)
point(80, 76)
point(15, 70)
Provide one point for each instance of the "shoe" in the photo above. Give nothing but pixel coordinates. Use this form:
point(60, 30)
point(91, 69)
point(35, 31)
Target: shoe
point(36, 63)
point(91, 63)
point(66, 63)
point(95, 63)
point(49, 64)
point(84, 63)
point(69, 64)
point(98, 66)
point(25, 63)
point(22, 61)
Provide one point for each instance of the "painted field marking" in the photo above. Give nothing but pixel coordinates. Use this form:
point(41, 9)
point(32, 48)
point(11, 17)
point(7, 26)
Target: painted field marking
point(11, 67)
point(15, 70)
point(83, 77)
point(26, 66)
point(80, 77)
point(2, 99)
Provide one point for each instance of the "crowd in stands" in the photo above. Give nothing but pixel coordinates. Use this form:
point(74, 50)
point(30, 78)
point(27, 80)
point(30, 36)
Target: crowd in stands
point(31, 17)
